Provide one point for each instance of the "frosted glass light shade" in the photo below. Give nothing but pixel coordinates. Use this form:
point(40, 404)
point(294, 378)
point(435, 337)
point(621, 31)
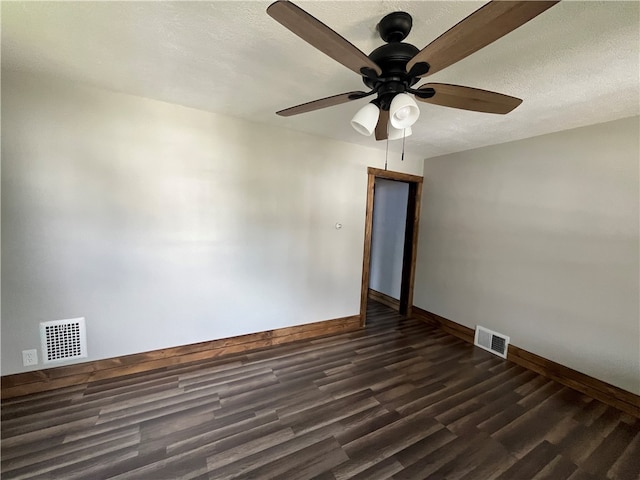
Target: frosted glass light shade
point(365, 119)
point(398, 133)
point(403, 111)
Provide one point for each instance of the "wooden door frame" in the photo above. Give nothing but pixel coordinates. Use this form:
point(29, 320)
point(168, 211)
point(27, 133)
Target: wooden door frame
point(410, 240)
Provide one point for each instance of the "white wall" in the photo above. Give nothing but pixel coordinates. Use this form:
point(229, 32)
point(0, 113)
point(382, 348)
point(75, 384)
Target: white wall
point(164, 225)
point(387, 237)
point(538, 239)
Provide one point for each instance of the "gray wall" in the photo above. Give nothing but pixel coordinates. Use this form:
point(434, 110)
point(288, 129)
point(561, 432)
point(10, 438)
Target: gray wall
point(538, 239)
point(387, 238)
point(164, 225)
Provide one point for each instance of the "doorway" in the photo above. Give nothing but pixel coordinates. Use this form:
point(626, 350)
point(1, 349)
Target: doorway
point(410, 240)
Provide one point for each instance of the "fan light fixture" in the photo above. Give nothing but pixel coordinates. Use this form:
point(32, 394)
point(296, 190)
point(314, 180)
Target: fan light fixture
point(403, 111)
point(366, 119)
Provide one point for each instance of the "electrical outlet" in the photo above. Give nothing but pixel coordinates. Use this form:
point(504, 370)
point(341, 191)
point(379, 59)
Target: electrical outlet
point(29, 357)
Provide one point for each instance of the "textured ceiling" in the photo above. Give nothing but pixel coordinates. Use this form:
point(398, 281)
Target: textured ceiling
point(576, 64)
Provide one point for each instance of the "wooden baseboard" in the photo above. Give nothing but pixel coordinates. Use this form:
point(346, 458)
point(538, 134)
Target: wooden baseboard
point(52, 378)
point(464, 333)
point(611, 395)
point(384, 299)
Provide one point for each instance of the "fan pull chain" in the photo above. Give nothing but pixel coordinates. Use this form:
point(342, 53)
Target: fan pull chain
point(404, 135)
point(386, 155)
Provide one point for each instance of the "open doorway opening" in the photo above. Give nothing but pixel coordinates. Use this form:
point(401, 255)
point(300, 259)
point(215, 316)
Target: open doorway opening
point(390, 202)
point(391, 237)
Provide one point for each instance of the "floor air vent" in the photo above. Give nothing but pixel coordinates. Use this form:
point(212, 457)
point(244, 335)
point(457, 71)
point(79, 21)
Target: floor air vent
point(491, 341)
point(63, 340)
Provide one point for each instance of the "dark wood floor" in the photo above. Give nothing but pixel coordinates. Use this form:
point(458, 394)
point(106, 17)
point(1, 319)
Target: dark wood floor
point(398, 400)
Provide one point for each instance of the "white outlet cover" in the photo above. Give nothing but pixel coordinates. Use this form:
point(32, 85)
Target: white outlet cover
point(29, 357)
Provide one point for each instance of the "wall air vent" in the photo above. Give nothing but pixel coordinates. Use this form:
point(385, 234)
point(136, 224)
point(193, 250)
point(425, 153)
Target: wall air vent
point(63, 340)
point(491, 341)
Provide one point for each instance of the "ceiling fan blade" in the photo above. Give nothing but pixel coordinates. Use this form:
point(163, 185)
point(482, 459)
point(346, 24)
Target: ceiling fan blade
point(321, 103)
point(467, 98)
point(381, 126)
point(482, 27)
point(317, 34)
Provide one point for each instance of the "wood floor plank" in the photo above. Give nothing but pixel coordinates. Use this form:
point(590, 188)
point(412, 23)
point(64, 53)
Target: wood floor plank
point(590, 412)
point(15, 428)
point(399, 399)
point(557, 469)
point(335, 410)
point(376, 446)
point(303, 461)
point(420, 449)
point(363, 423)
point(253, 455)
point(431, 462)
point(580, 443)
point(493, 463)
point(25, 439)
point(627, 466)
point(531, 428)
point(217, 430)
point(380, 471)
point(469, 423)
point(608, 452)
point(582, 475)
point(93, 467)
point(128, 416)
point(33, 447)
point(532, 463)
point(55, 452)
point(482, 449)
point(71, 458)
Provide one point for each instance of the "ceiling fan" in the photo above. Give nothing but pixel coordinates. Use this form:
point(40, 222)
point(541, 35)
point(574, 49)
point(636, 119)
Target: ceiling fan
point(391, 71)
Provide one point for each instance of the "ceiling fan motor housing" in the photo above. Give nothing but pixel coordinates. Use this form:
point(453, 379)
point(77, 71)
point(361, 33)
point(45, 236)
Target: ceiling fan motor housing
point(392, 58)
